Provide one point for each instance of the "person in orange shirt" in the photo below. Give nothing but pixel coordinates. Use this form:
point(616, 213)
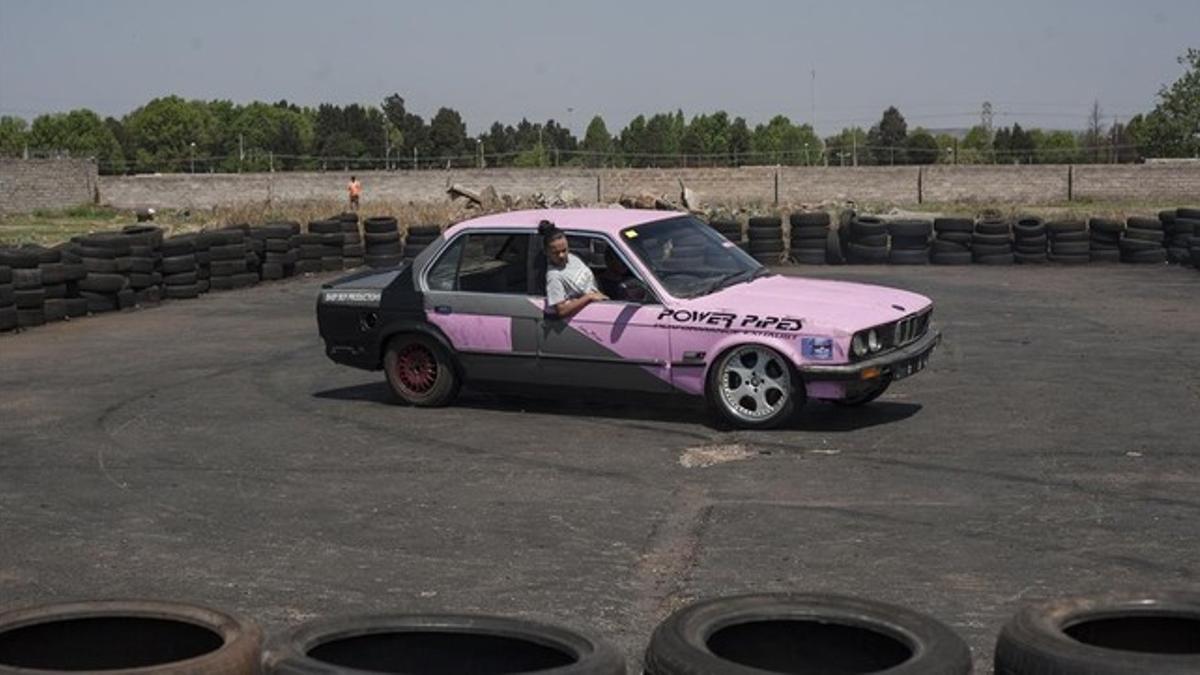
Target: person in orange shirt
point(355, 192)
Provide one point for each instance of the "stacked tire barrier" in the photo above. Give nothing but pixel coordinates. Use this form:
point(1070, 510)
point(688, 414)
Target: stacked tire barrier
point(8, 301)
point(145, 242)
point(1030, 242)
point(1179, 226)
point(179, 268)
point(1142, 241)
point(1104, 240)
point(688, 251)
point(729, 228)
point(352, 243)
point(1191, 216)
point(273, 243)
point(27, 291)
point(766, 239)
point(106, 257)
point(417, 238)
point(991, 242)
point(228, 259)
point(952, 241)
point(326, 247)
point(381, 241)
point(60, 279)
point(1069, 242)
point(809, 237)
point(910, 242)
point(867, 241)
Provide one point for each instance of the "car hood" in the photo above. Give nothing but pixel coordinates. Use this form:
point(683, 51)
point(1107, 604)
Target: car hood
point(830, 305)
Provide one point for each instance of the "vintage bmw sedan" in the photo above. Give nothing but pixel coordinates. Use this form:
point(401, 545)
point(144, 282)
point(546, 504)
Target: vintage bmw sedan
point(688, 311)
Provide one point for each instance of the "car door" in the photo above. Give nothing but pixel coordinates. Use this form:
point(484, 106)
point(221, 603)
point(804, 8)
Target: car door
point(613, 344)
point(477, 293)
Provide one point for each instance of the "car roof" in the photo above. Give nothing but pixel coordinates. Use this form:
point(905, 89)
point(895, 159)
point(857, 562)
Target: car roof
point(610, 221)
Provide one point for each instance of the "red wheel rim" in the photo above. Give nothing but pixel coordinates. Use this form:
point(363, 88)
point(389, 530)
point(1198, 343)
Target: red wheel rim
point(416, 369)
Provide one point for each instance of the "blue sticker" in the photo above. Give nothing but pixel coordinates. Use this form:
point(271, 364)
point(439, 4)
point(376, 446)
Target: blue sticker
point(817, 349)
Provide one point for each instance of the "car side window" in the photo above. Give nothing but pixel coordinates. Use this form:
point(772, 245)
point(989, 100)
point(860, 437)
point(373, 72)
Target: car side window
point(484, 263)
point(610, 267)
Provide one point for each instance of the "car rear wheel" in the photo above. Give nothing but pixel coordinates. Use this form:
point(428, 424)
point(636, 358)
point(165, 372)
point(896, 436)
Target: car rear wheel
point(753, 387)
point(420, 371)
point(868, 394)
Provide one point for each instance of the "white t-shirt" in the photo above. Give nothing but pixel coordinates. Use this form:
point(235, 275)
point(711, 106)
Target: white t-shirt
point(573, 280)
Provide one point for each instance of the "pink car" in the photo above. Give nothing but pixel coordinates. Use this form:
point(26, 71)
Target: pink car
point(688, 311)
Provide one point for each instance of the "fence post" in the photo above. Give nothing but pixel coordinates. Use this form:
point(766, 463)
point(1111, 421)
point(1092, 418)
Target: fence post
point(599, 187)
point(776, 187)
point(1070, 182)
point(920, 185)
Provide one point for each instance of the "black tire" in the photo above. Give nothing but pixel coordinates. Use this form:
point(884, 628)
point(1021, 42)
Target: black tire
point(955, 225)
point(127, 637)
point(6, 274)
point(1133, 245)
point(29, 298)
point(1070, 258)
point(909, 256)
point(24, 279)
point(956, 237)
point(909, 243)
point(866, 395)
point(271, 272)
point(225, 268)
point(1032, 242)
point(809, 256)
point(991, 249)
point(995, 259)
point(16, 258)
point(867, 227)
point(372, 239)
point(874, 240)
point(1145, 235)
point(793, 400)
point(1190, 214)
point(1030, 258)
point(380, 224)
point(30, 318)
point(103, 283)
point(332, 264)
point(307, 266)
point(53, 273)
point(1105, 225)
point(857, 254)
point(1057, 227)
point(324, 226)
point(8, 318)
point(420, 371)
point(1145, 257)
point(76, 307)
point(757, 247)
point(809, 219)
point(180, 279)
point(1070, 247)
point(55, 292)
point(985, 239)
point(99, 302)
point(1110, 634)
point(6, 295)
point(993, 228)
point(181, 291)
point(416, 643)
point(179, 264)
point(1106, 256)
point(803, 633)
point(804, 232)
point(1144, 223)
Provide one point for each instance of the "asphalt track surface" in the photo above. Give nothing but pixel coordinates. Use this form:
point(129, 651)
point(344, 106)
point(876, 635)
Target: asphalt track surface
point(208, 451)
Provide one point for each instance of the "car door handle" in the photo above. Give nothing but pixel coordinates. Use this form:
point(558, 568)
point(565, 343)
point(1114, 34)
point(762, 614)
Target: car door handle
point(443, 309)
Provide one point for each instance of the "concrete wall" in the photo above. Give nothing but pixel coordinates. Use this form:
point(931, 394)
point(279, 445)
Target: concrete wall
point(30, 184)
point(900, 185)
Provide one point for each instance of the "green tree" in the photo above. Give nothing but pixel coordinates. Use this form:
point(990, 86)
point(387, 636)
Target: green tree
point(976, 146)
point(14, 136)
point(781, 142)
point(81, 133)
point(163, 131)
point(634, 142)
point(1173, 128)
point(597, 142)
point(448, 134)
point(947, 148)
point(1057, 147)
point(887, 138)
point(921, 147)
point(739, 141)
point(848, 148)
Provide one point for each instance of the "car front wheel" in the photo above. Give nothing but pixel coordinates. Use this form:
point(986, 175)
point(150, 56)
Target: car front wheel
point(754, 387)
point(420, 371)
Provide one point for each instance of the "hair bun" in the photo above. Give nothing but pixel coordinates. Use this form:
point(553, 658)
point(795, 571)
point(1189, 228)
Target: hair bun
point(546, 228)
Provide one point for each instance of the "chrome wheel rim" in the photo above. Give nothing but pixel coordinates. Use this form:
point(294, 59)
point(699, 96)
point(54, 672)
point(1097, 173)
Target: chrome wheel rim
point(755, 383)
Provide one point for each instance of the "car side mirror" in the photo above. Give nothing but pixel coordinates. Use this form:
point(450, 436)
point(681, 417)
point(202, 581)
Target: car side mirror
point(635, 290)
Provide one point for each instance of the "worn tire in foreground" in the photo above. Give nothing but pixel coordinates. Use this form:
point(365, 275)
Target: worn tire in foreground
point(128, 636)
point(420, 371)
point(803, 633)
point(1110, 634)
point(438, 645)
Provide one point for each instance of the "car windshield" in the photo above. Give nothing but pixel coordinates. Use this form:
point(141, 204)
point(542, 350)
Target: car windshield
point(689, 258)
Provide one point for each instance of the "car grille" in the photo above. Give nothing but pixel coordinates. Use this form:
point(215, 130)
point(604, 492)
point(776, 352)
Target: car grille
point(910, 328)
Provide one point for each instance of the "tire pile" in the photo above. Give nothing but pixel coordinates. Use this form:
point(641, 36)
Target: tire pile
point(273, 244)
point(417, 238)
point(1105, 240)
point(1030, 242)
point(352, 243)
point(382, 245)
point(145, 244)
point(8, 300)
point(809, 237)
point(731, 229)
point(180, 270)
point(991, 242)
point(910, 242)
point(952, 241)
point(1185, 217)
point(1179, 228)
point(687, 252)
point(1069, 242)
point(229, 259)
point(323, 246)
point(1142, 241)
point(866, 241)
point(107, 259)
point(766, 239)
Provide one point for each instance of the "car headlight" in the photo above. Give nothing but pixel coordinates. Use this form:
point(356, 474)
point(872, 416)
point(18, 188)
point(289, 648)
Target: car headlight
point(859, 345)
point(873, 342)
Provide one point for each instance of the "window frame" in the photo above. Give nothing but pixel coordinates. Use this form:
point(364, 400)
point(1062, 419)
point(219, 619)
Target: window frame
point(451, 242)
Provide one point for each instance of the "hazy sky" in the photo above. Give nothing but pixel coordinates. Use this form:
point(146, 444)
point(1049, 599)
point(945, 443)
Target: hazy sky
point(1040, 63)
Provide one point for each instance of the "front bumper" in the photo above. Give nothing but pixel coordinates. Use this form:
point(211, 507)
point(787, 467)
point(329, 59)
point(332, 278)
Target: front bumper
point(899, 363)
